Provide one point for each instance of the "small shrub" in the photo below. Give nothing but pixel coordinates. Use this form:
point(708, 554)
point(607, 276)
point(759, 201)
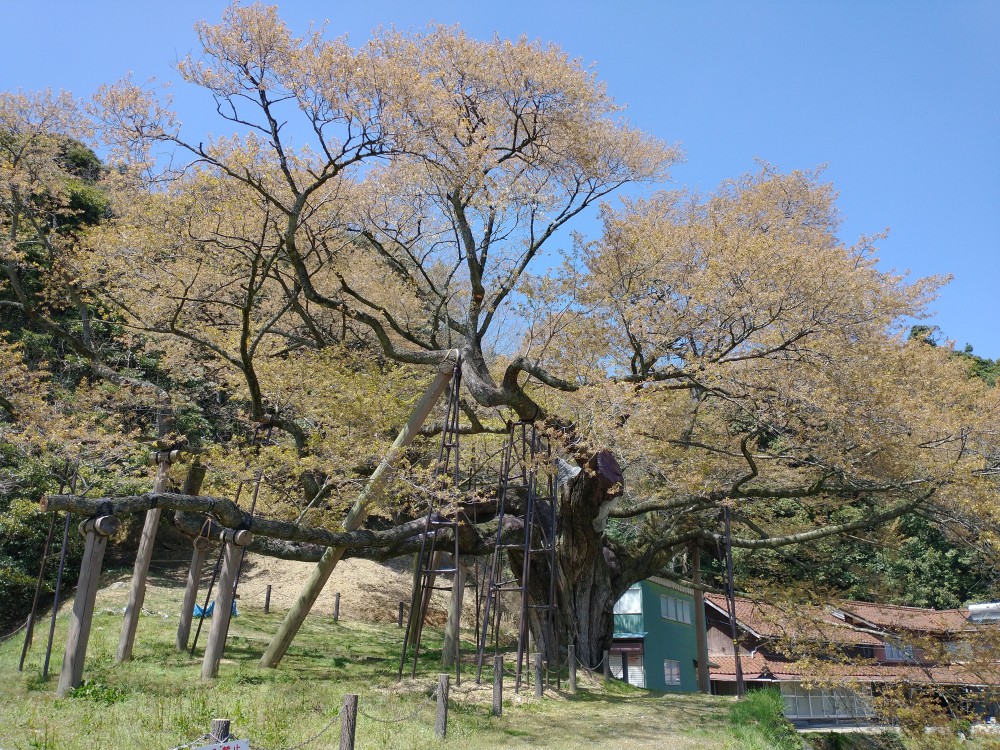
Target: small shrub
point(761, 713)
point(98, 692)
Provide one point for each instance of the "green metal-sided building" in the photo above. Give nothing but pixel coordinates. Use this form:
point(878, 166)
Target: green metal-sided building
point(655, 645)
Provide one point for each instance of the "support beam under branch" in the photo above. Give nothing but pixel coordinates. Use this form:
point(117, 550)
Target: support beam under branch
point(372, 491)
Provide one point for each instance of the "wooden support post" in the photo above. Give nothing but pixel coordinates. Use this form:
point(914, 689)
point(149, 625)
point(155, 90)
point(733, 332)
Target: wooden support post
point(497, 685)
point(441, 721)
point(399, 617)
point(96, 532)
point(607, 664)
point(625, 668)
point(219, 731)
point(267, 599)
point(216, 646)
point(137, 589)
point(700, 631)
point(571, 655)
point(373, 490)
point(200, 544)
point(539, 683)
point(336, 606)
point(348, 722)
point(451, 649)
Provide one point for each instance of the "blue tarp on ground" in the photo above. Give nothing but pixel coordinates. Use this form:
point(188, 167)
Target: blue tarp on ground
point(209, 609)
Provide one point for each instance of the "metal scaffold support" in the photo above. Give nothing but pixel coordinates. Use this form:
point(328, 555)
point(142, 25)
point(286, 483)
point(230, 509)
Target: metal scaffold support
point(441, 523)
point(526, 457)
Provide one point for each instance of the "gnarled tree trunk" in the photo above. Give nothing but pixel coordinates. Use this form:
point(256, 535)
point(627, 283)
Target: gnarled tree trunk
point(588, 579)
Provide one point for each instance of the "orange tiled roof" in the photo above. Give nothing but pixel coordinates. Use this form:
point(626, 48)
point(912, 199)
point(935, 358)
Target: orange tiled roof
point(759, 666)
point(807, 622)
point(914, 619)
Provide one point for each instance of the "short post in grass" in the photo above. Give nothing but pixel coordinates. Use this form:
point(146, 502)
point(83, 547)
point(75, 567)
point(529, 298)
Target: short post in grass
point(607, 664)
point(220, 730)
point(399, 616)
point(571, 655)
point(539, 684)
point(233, 541)
point(336, 606)
point(348, 722)
point(200, 544)
point(267, 599)
point(497, 685)
point(96, 532)
point(625, 668)
point(441, 721)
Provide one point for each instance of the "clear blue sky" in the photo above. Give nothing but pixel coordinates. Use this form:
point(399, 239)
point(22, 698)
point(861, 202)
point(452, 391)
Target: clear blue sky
point(901, 98)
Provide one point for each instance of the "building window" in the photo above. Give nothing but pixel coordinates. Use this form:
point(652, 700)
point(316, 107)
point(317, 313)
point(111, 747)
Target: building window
point(804, 703)
point(898, 652)
point(678, 610)
point(671, 672)
point(627, 666)
point(630, 603)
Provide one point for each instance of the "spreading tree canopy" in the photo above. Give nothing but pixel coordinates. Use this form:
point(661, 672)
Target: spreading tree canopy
point(371, 209)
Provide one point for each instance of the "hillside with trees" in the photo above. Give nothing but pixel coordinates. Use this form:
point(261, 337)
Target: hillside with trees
point(278, 294)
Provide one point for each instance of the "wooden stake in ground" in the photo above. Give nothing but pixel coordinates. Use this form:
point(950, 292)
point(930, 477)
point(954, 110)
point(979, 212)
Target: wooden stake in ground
point(234, 543)
point(219, 731)
point(571, 655)
point(539, 685)
point(96, 531)
point(498, 685)
point(191, 592)
point(451, 650)
point(321, 574)
point(137, 589)
point(348, 722)
point(192, 486)
point(441, 720)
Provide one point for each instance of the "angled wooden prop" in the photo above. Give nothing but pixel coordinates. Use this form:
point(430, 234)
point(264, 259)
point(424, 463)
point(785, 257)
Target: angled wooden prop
point(321, 574)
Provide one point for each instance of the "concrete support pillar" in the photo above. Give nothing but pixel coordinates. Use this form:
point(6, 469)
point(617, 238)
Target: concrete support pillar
point(96, 532)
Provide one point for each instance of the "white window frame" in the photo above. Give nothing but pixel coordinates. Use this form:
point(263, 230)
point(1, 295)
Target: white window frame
point(671, 672)
point(630, 602)
point(674, 609)
point(898, 652)
point(826, 702)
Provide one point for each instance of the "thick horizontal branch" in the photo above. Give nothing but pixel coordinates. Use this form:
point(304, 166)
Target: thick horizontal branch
point(651, 506)
point(773, 542)
point(382, 544)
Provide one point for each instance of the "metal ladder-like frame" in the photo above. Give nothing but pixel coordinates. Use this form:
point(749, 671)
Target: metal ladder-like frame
point(47, 553)
point(428, 565)
point(428, 568)
point(519, 468)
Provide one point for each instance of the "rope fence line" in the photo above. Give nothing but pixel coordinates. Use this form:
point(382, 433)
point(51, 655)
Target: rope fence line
point(9, 636)
point(326, 728)
point(193, 742)
point(399, 720)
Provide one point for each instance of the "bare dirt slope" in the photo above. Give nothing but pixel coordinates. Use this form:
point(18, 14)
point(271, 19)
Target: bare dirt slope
point(368, 590)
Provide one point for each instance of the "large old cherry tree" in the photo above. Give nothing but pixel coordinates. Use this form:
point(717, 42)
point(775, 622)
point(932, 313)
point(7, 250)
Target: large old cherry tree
point(365, 212)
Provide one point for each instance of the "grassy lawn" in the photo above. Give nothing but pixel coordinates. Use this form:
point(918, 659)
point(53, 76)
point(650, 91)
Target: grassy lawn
point(159, 701)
